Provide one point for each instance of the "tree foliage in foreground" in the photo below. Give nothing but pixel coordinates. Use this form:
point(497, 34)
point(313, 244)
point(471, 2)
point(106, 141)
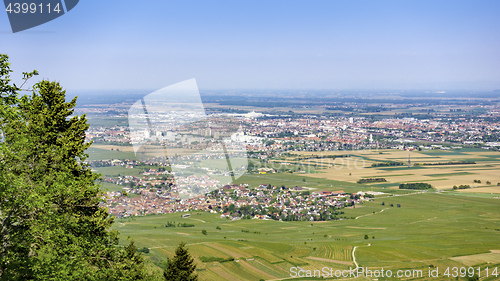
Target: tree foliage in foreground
point(181, 267)
point(51, 224)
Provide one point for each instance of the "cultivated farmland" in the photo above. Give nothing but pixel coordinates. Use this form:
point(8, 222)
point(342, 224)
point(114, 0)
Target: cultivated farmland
point(436, 167)
point(429, 229)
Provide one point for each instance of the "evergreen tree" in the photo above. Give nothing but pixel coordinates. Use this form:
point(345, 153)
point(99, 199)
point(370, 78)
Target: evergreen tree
point(181, 267)
point(52, 226)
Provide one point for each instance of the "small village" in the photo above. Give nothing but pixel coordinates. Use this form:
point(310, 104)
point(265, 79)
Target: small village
point(239, 202)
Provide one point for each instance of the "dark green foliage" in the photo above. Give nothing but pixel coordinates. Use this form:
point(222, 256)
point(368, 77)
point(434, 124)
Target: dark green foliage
point(450, 163)
point(388, 164)
point(143, 250)
point(52, 226)
point(181, 267)
point(215, 259)
point(462, 186)
point(369, 180)
point(170, 224)
point(8, 92)
point(416, 185)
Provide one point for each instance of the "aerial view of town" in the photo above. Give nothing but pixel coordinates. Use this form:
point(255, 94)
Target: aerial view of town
point(345, 172)
point(250, 140)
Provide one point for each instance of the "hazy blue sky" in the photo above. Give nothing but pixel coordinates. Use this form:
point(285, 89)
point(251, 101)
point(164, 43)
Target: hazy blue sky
point(121, 44)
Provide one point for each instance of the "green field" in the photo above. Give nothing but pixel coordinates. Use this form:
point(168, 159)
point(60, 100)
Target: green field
point(114, 171)
point(97, 120)
point(106, 186)
point(431, 229)
point(428, 229)
point(425, 166)
point(104, 154)
point(304, 180)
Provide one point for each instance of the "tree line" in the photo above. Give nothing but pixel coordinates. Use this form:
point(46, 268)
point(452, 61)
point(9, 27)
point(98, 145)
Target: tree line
point(370, 180)
point(416, 185)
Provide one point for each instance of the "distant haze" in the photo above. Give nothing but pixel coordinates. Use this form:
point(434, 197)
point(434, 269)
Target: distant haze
point(324, 44)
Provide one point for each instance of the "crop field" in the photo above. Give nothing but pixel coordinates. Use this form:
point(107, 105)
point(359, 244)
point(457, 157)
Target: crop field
point(425, 166)
point(310, 183)
point(334, 252)
point(492, 189)
point(104, 152)
point(439, 228)
point(344, 172)
point(97, 120)
point(123, 152)
point(429, 228)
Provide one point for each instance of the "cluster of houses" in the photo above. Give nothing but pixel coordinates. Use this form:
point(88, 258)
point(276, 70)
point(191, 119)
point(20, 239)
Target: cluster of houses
point(144, 181)
point(112, 162)
point(239, 202)
point(314, 132)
